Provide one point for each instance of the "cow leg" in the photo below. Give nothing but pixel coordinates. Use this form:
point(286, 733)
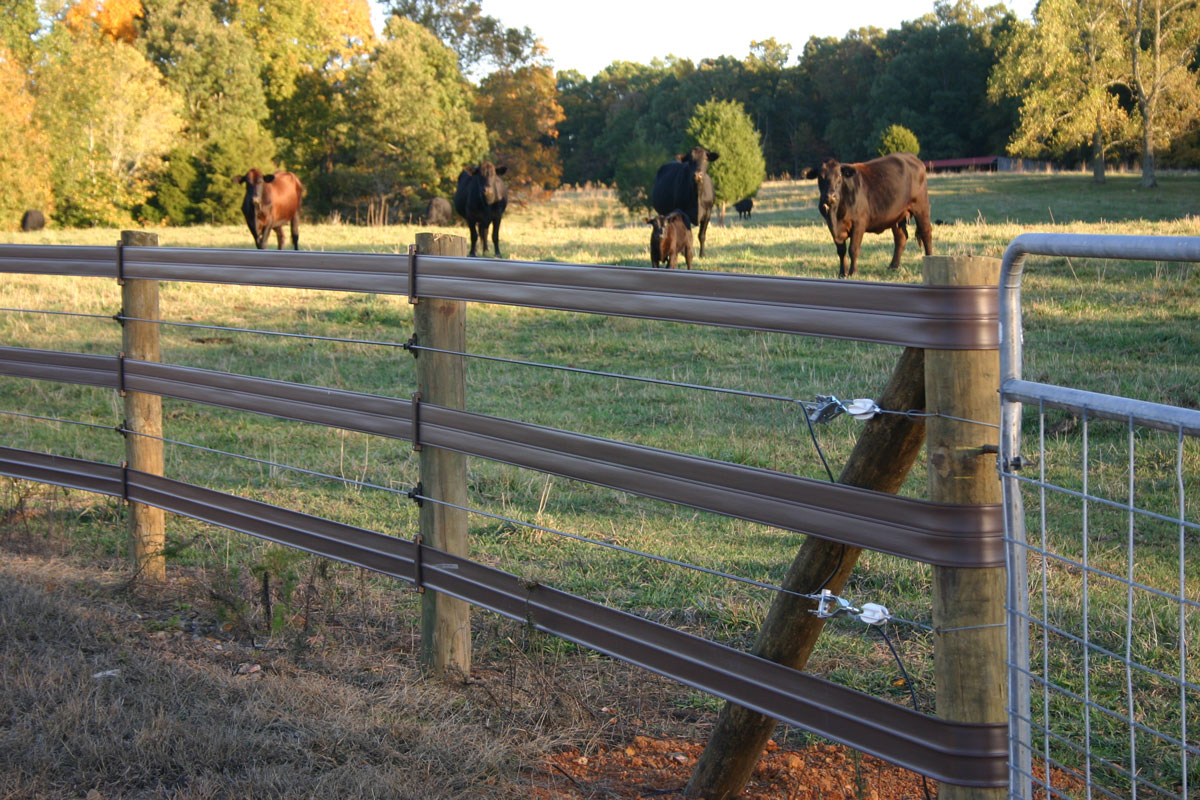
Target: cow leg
point(483, 234)
point(856, 237)
point(295, 233)
point(900, 235)
point(263, 235)
point(841, 251)
point(925, 233)
point(703, 231)
point(279, 237)
point(474, 236)
point(496, 237)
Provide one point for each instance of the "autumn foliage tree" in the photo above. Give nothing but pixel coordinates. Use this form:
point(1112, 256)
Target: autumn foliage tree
point(521, 111)
point(25, 158)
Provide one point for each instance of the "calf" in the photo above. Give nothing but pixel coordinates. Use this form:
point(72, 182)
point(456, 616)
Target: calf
point(670, 235)
point(744, 206)
point(480, 199)
point(271, 202)
point(872, 197)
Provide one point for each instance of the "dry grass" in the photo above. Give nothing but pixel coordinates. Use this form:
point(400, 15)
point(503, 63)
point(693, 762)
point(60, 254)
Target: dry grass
point(170, 694)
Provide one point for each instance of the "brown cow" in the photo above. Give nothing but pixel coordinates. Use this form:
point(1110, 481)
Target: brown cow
point(271, 202)
point(872, 197)
point(670, 235)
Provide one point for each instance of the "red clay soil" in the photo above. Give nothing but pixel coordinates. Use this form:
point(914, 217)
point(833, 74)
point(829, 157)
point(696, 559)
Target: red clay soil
point(652, 768)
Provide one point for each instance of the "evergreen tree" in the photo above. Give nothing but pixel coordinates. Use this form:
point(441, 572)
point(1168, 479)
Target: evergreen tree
point(209, 63)
point(896, 139)
point(724, 126)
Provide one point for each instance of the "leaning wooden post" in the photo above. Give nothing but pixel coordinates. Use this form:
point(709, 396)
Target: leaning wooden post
point(968, 603)
point(442, 324)
point(143, 417)
point(885, 451)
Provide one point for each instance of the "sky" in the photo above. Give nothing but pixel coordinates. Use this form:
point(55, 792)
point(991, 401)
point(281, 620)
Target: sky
point(590, 36)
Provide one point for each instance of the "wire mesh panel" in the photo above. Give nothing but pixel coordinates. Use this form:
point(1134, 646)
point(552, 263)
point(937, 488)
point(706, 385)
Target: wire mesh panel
point(1104, 557)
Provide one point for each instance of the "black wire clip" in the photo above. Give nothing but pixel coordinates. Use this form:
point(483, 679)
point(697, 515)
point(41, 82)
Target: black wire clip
point(121, 374)
point(412, 346)
point(412, 275)
point(416, 421)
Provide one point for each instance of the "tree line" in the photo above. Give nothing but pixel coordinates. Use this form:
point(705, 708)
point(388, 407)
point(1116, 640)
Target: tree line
point(120, 111)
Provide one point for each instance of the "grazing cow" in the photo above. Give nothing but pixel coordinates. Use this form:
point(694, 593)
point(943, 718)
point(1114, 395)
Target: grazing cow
point(872, 197)
point(684, 184)
point(670, 235)
point(271, 202)
point(33, 220)
point(480, 199)
point(744, 206)
point(438, 212)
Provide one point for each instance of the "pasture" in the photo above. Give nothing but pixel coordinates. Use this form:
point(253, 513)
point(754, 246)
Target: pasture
point(1111, 327)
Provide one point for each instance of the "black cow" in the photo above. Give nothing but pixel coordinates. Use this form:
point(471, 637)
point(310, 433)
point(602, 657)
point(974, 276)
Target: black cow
point(684, 184)
point(744, 207)
point(33, 220)
point(438, 212)
point(873, 197)
point(480, 199)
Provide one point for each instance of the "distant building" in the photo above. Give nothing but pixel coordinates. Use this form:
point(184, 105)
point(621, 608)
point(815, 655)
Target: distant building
point(988, 164)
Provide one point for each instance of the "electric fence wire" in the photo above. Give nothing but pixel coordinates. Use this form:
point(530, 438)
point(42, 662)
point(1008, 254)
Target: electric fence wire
point(498, 517)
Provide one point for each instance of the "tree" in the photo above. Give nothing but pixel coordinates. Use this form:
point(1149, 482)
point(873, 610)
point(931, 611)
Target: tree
point(111, 120)
point(635, 171)
point(115, 20)
point(724, 126)
point(207, 63)
point(1162, 37)
point(1067, 71)
point(933, 80)
point(18, 25)
point(25, 158)
point(482, 43)
point(413, 129)
point(521, 111)
point(896, 139)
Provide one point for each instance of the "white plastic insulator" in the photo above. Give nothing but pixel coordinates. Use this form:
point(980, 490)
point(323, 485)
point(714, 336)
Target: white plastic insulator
point(862, 408)
point(874, 614)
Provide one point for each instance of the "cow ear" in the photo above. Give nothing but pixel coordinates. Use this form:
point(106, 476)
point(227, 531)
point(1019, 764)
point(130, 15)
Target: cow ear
point(809, 173)
point(501, 170)
point(240, 179)
point(713, 156)
point(683, 157)
point(269, 178)
point(848, 171)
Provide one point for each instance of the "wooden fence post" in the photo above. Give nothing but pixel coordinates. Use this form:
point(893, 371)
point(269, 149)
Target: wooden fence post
point(968, 603)
point(143, 415)
point(442, 324)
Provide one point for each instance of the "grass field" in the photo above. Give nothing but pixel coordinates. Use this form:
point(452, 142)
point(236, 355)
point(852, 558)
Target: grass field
point(1113, 327)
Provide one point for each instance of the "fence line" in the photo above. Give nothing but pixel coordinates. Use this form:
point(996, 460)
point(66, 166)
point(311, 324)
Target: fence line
point(947, 534)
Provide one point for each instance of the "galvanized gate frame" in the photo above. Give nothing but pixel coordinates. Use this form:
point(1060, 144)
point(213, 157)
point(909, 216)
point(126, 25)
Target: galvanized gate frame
point(1014, 391)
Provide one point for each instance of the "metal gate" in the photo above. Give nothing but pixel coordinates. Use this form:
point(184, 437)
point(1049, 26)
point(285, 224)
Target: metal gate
point(1104, 567)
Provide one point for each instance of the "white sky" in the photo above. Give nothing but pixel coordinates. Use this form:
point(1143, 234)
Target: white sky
point(590, 36)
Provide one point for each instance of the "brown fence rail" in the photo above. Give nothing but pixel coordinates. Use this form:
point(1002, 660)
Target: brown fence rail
point(937, 533)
